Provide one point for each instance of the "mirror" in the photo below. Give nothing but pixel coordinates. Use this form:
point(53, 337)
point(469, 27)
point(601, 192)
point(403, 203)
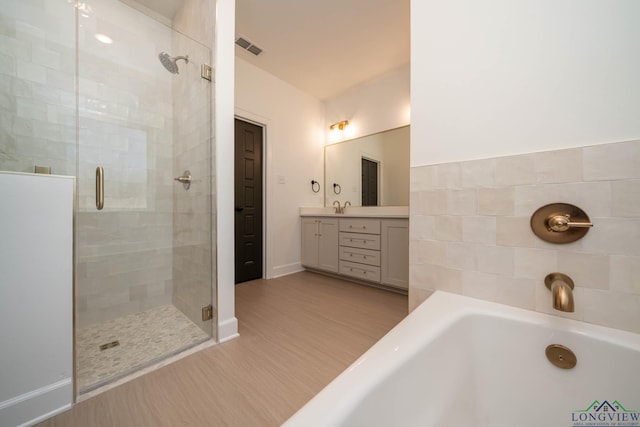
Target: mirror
point(369, 171)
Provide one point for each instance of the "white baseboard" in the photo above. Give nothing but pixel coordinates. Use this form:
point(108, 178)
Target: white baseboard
point(285, 270)
point(37, 405)
point(228, 330)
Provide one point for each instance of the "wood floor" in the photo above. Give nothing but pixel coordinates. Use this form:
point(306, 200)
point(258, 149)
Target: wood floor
point(297, 333)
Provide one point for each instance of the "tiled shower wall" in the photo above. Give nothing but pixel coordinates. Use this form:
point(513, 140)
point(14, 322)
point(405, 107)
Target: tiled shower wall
point(37, 92)
point(470, 231)
point(124, 252)
point(128, 122)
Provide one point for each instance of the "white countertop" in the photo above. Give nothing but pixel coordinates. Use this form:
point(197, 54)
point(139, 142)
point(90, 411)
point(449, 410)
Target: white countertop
point(359, 212)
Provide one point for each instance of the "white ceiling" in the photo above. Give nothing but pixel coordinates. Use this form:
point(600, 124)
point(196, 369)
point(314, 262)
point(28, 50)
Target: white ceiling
point(166, 8)
point(325, 47)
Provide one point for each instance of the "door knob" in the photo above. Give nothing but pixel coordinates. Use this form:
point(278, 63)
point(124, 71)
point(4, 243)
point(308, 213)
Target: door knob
point(239, 208)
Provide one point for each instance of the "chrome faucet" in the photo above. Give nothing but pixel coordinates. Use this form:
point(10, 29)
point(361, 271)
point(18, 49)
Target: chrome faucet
point(561, 287)
point(338, 208)
point(345, 205)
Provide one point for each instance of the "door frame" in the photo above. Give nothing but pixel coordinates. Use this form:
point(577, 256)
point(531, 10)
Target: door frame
point(264, 123)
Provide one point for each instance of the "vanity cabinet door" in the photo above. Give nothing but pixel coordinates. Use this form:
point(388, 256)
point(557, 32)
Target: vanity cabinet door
point(309, 250)
point(328, 245)
point(320, 243)
point(395, 253)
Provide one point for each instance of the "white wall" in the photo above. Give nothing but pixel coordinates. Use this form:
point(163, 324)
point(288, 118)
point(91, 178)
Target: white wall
point(293, 157)
point(223, 125)
point(36, 294)
point(500, 77)
point(375, 106)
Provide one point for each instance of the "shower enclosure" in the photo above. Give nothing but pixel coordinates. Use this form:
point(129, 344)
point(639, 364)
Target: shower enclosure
point(112, 93)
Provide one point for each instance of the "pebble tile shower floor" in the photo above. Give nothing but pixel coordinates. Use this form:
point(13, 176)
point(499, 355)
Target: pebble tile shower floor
point(143, 338)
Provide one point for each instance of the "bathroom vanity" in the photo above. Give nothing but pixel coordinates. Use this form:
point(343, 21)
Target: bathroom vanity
point(367, 245)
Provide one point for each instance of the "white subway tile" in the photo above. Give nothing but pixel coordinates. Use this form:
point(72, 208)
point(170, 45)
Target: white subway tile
point(592, 197)
point(30, 109)
point(448, 228)
point(528, 198)
point(35, 31)
point(624, 274)
point(433, 202)
point(479, 229)
point(612, 309)
point(558, 166)
point(19, 49)
point(496, 201)
point(612, 161)
point(421, 227)
point(478, 173)
point(625, 198)
point(495, 259)
point(500, 289)
point(433, 277)
point(514, 231)
point(430, 252)
point(614, 236)
point(31, 72)
point(7, 65)
point(515, 170)
point(447, 176)
point(461, 255)
point(535, 263)
point(45, 57)
point(23, 127)
point(462, 202)
point(586, 270)
point(422, 178)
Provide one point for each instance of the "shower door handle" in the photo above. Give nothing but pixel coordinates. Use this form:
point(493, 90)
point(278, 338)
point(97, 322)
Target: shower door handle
point(99, 188)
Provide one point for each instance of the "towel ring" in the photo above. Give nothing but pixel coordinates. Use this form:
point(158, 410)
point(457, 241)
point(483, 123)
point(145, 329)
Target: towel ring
point(315, 184)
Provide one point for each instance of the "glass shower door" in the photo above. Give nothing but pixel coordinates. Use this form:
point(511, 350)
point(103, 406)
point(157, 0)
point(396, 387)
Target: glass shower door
point(143, 238)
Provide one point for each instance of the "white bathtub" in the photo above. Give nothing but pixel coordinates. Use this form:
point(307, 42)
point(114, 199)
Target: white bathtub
point(458, 361)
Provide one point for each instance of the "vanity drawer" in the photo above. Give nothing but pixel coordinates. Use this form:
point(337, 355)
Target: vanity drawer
point(357, 240)
point(361, 271)
point(363, 256)
point(359, 225)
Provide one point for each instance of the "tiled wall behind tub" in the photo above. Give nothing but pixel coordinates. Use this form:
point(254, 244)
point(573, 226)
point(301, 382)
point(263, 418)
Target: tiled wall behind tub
point(124, 252)
point(470, 231)
point(37, 92)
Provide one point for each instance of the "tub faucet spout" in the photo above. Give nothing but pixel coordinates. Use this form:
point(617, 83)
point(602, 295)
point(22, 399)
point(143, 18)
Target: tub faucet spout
point(561, 287)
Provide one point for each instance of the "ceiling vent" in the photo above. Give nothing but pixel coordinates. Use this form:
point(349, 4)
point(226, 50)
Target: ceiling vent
point(247, 45)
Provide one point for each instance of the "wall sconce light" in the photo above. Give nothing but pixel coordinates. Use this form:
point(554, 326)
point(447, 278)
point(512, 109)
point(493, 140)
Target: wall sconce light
point(340, 125)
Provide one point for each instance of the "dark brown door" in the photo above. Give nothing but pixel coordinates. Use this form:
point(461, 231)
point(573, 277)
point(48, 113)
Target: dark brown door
point(248, 201)
point(369, 183)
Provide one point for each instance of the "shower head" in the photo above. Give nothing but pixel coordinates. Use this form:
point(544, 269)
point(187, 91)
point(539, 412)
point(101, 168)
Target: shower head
point(171, 63)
